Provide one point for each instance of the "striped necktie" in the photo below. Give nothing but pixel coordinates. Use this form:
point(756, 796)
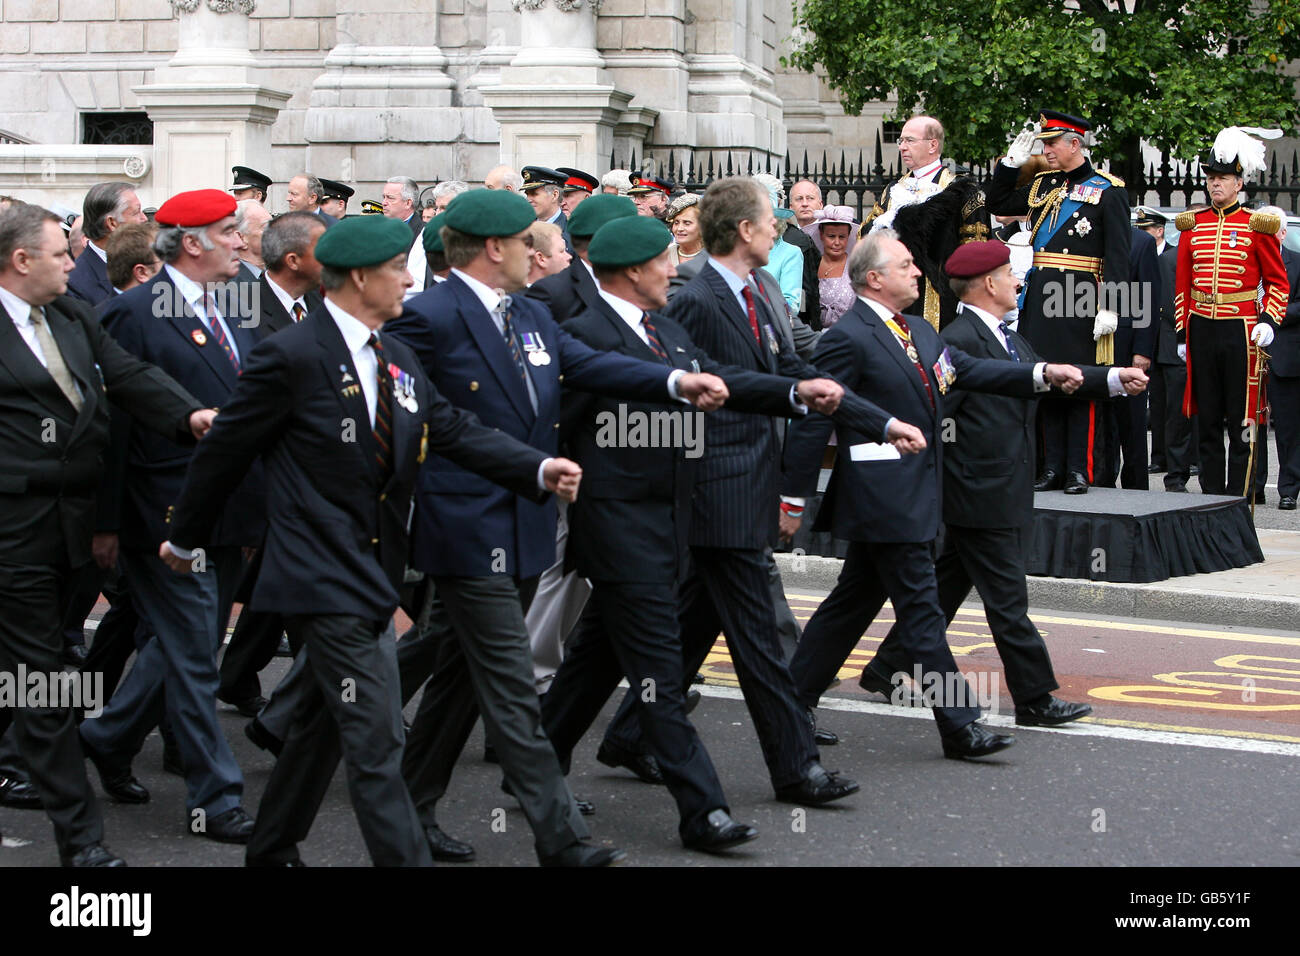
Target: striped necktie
point(652, 337)
point(299, 313)
point(508, 333)
point(383, 410)
point(1011, 346)
point(219, 330)
point(910, 348)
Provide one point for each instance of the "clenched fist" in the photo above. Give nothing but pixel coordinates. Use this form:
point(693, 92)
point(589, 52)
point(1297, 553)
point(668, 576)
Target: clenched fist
point(706, 392)
point(562, 477)
point(820, 394)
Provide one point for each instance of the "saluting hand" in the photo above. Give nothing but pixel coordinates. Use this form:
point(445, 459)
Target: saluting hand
point(201, 421)
point(706, 392)
point(820, 394)
point(562, 477)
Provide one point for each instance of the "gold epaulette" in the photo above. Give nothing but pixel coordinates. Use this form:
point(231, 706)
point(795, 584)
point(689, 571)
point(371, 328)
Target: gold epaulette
point(1113, 180)
point(1265, 222)
point(1185, 220)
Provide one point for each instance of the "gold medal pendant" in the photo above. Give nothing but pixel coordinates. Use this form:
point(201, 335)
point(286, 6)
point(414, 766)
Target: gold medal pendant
point(912, 352)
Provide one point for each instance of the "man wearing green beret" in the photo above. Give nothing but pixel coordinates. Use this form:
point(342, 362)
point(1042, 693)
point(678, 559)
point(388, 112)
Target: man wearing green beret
point(342, 416)
point(574, 289)
point(628, 536)
point(502, 357)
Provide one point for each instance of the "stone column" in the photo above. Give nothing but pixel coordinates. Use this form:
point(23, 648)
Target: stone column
point(209, 109)
point(385, 97)
point(556, 101)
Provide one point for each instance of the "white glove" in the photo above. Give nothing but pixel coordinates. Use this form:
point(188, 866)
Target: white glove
point(1182, 353)
point(1262, 335)
point(1018, 153)
point(1105, 323)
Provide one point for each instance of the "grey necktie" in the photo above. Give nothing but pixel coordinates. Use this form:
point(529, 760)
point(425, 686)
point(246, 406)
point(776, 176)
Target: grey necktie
point(54, 363)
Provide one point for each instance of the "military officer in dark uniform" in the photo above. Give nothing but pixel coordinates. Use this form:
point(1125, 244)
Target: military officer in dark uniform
point(249, 184)
point(334, 198)
point(1079, 218)
point(543, 187)
point(1224, 256)
point(651, 195)
point(577, 187)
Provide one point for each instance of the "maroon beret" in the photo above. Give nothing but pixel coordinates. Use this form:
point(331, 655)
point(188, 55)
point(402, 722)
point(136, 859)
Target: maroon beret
point(198, 207)
point(976, 258)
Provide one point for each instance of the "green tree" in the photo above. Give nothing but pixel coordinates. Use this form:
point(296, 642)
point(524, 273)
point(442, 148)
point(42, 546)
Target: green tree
point(1170, 71)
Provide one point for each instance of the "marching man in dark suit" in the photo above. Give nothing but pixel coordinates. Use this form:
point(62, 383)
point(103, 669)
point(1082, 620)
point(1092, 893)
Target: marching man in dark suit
point(1079, 218)
point(57, 368)
point(502, 357)
point(107, 206)
point(886, 505)
point(343, 416)
point(736, 500)
point(988, 494)
point(629, 535)
point(177, 323)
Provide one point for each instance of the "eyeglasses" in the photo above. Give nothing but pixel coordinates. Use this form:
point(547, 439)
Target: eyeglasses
point(909, 140)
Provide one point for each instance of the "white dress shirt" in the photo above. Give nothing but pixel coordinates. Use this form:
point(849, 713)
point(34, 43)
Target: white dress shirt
point(193, 293)
point(20, 311)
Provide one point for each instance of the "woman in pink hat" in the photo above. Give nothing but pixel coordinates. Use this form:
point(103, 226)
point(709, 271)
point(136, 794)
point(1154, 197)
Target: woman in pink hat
point(834, 232)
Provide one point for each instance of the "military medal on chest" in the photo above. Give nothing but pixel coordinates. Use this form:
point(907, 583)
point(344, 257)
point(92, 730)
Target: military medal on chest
point(403, 389)
point(535, 348)
point(771, 341)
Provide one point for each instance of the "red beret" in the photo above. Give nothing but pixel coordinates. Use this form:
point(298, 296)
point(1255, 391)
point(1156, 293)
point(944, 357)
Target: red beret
point(198, 207)
point(976, 258)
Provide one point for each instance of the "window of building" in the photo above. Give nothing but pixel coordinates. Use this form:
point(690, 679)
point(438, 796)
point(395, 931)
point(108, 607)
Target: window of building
point(116, 129)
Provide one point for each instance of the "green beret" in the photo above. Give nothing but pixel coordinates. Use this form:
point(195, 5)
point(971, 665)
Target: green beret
point(433, 233)
point(627, 241)
point(359, 241)
point(489, 212)
point(594, 211)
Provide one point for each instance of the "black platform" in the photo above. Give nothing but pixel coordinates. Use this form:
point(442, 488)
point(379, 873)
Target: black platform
point(1116, 535)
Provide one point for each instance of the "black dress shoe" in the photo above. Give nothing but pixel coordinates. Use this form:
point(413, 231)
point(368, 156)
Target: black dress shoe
point(444, 848)
point(1052, 714)
point(901, 696)
point(1260, 499)
point(974, 741)
point(18, 794)
point(256, 731)
point(583, 854)
point(692, 700)
point(643, 765)
point(118, 782)
point(1177, 489)
point(1076, 484)
point(1155, 469)
point(1286, 504)
point(233, 826)
point(93, 854)
point(248, 706)
point(823, 738)
point(720, 833)
point(819, 787)
point(74, 655)
point(698, 678)
point(1048, 481)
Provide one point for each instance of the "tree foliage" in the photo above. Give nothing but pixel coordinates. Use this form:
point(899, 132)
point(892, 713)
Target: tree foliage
point(1170, 71)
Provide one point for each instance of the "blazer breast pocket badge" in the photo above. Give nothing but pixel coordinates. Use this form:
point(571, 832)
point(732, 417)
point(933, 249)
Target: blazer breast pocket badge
point(944, 372)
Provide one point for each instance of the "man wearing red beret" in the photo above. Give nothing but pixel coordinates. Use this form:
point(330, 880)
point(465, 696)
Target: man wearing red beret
point(988, 497)
point(182, 323)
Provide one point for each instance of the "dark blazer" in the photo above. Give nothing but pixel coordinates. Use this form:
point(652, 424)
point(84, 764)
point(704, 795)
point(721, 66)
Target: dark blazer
point(154, 322)
point(337, 540)
point(464, 525)
point(631, 518)
point(1167, 336)
point(566, 293)
point(1285, 350)
point(891, 500)
point(1136, 334)
point(272, 316)
point(812, 260)
point(989, 463)
point(52, 456)
point(737, 494)
point(88, 280)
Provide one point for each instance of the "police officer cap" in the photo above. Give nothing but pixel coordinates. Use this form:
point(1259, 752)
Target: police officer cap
point(577, 181)
point(1149, 218)
point(248, 178)
point(359, 241)
point(433, 233)
point(371, 207)
point(535, 176)
point(594, 212)
point(977, 258)
point(332, 190)
point(489, 212)
point(628, 241)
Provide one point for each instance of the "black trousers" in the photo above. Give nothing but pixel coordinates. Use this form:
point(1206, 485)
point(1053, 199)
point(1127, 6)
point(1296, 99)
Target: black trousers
point(1175, 428)
point(1284, 395)
point(993, 561)
point(1158, 395)
point(631, 630)
point(34, 598)
point(351, 710)
point(728, 590)
point(1130, 449)
point(903, 573)
point(1070, 430)
point(1219, 356)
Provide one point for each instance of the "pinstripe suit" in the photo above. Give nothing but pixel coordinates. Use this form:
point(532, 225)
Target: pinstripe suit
point(734, 511)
